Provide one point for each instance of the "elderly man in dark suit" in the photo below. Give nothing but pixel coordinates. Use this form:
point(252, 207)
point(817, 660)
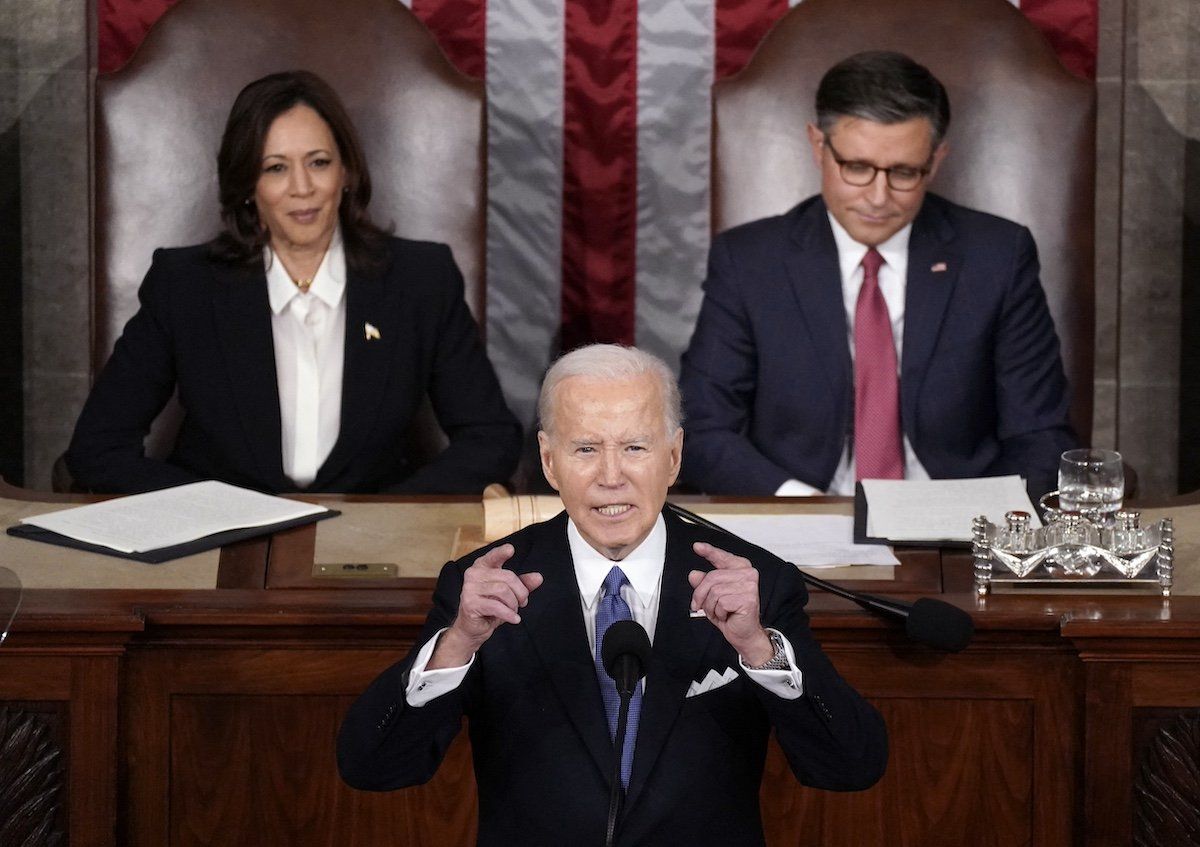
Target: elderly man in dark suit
point(511, 642)
point(875, 330)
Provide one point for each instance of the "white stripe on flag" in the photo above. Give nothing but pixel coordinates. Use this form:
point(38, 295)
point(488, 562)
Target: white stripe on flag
point(675, 74)
point(524, 217)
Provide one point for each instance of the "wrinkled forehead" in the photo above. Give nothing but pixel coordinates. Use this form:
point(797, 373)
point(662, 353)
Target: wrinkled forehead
point(612, 406)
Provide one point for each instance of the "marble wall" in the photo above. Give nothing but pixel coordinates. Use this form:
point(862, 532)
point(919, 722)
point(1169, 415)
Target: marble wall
point(44, 106)
point(1148, 267)
point(1147, 206)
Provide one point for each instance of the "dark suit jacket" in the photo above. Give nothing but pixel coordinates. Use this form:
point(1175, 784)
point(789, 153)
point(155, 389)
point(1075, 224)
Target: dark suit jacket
point(204, 326)
point(768, 383)
point(540, 739)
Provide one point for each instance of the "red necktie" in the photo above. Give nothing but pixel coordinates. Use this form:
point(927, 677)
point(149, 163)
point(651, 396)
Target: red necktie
point(878, 453)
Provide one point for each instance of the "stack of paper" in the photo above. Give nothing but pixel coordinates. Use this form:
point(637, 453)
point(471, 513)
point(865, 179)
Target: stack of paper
point(167, 519)
point(814, 541)
point(941, 509)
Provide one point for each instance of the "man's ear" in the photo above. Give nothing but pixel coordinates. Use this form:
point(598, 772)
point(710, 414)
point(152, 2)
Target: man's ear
point(676, 455)
point(817, 139)
point(547, 456)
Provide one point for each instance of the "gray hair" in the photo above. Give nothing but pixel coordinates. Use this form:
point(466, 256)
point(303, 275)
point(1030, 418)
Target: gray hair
point(610, 362)
point(884, 87)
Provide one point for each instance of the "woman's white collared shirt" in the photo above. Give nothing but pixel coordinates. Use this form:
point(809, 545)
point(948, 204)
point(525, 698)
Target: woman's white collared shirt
point(309, 331)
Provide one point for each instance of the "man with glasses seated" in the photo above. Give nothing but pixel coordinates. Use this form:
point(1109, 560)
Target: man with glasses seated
point(875, 331)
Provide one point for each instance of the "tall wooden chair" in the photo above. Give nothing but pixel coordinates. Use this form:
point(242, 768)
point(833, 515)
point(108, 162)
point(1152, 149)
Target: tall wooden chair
point(1022, 134)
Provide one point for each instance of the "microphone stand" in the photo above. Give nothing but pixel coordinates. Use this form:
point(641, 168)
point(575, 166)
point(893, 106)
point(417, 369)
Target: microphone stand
point(929, 610)
point(618, 790)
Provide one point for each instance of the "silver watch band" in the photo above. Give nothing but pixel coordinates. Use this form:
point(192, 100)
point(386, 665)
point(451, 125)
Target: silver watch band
point(778, 661)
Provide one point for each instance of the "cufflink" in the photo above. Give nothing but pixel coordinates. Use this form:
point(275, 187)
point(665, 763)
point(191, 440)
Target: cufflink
point(371, 332)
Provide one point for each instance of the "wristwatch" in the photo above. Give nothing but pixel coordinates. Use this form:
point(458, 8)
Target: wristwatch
point(777, 662)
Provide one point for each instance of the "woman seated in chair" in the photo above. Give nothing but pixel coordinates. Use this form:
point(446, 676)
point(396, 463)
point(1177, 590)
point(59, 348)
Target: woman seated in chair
point(303, 339)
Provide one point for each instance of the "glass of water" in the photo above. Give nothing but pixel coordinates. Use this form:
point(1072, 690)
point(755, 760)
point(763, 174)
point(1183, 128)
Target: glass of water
point(1091, 481)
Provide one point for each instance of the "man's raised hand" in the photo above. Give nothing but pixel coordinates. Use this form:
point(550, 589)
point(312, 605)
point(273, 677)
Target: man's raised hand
point(490, 596)
point(728, 595)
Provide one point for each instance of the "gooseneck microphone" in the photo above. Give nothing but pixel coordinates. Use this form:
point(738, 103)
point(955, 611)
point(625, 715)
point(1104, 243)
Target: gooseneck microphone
point(625, 654)
point(934, 623)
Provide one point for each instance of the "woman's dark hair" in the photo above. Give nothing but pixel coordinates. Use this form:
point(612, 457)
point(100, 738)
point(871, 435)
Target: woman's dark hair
point(239, 165)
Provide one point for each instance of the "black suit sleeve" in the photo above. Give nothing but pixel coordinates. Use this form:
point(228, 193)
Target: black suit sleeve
point(832, 737)
point(106, 452)
point(485, 438)
point(386, 744)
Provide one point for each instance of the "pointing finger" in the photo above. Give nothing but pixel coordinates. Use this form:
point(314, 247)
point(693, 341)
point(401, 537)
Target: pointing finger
point(496, 557)
point(719, 558)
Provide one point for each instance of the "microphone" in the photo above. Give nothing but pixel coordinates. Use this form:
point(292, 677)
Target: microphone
point(624, 653)
point(934, 623)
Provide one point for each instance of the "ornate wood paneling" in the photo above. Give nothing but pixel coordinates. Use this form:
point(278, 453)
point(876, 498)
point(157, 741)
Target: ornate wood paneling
point(1166, 784)
point(33, 789)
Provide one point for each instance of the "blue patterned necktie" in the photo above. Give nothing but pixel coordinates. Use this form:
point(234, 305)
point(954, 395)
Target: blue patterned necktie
point(613, 608)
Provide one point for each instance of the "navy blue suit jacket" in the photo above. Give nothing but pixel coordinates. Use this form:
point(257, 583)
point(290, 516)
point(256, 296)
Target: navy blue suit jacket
point(768, 383)
point(539, 737)
point(204, 326)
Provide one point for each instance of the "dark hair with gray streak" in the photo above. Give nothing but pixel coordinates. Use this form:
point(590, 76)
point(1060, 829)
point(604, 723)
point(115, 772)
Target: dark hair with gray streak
point(884, 87)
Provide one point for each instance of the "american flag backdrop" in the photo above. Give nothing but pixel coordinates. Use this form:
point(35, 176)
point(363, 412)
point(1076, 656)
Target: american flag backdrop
point(598, 154)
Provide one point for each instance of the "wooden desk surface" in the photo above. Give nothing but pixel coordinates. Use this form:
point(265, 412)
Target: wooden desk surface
point(170, 715)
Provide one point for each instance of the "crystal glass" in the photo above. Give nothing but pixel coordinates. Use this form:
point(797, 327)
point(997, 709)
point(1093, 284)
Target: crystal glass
point(1091, 481)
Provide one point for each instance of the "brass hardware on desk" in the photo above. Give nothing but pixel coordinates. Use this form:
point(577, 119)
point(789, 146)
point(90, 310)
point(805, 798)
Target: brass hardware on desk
point(355, 570)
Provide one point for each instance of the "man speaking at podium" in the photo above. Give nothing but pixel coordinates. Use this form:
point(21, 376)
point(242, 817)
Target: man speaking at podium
point(512, 639)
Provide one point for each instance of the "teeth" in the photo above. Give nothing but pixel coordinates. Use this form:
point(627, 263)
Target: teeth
point(614, 510)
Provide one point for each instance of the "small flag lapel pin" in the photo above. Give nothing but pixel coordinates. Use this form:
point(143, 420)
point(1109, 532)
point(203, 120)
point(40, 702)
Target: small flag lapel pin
point(371, 332)
point(938, 267)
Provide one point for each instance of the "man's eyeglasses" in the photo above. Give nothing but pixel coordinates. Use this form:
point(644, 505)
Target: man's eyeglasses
point(899, 177)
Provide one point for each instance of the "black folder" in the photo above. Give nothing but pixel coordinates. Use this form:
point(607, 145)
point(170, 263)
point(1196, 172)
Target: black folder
point(175, 551)
point(860, 528)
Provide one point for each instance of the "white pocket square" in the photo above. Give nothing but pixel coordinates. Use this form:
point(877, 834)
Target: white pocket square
point(712, 681)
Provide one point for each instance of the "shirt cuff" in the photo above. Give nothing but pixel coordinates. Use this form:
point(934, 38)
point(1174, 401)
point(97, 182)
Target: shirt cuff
point(786, 684)
point(424, 685)
point(796, 488)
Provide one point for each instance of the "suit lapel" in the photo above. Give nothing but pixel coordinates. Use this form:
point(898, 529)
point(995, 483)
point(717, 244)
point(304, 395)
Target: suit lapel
point(816, 280)
point(680, 642)
point(372, 334)
point(934, 262)
point(243, 320)
point(554, 622)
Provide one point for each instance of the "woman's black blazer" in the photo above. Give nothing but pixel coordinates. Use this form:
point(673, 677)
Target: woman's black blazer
point(204, 327)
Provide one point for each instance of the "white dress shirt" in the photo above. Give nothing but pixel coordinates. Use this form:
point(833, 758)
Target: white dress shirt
point(643, 569)
point(893, 276)
point(309, 331)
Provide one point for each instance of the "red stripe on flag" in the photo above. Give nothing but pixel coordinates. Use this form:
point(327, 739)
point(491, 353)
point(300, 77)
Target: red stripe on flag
point(120, 27)
point(460, 27)
point(599, 227)
point(740, 25)
point(1072, 28)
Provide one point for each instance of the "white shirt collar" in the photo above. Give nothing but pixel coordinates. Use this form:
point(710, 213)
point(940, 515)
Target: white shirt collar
point(329, 285)
point(850, 253)
point(642, 567)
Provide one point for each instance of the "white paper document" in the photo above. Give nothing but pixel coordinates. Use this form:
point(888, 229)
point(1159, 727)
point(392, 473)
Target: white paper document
point(813, 541)
point(143, 522)
point(941, 509)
